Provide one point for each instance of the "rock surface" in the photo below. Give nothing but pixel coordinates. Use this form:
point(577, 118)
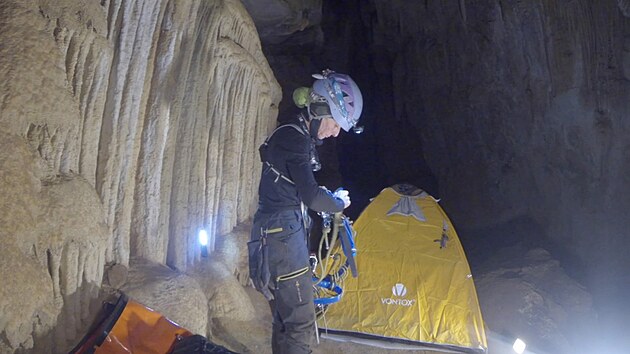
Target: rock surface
point(53, 255)
point(292, 23)
point(175, 295)
point(532, 298)
point(126, 127)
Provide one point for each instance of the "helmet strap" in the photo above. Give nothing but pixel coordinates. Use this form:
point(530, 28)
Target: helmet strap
point(318, 109)
point(311, 125)
point(314, 128)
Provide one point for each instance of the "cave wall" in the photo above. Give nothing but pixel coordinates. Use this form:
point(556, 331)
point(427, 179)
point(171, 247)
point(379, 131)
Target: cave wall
point(126, 126)
point(520, 108)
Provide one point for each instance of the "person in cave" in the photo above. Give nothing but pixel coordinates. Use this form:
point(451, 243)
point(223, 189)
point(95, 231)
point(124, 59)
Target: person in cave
point(278, 252)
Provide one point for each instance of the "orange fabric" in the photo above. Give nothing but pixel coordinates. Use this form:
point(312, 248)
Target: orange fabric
point(140, 330)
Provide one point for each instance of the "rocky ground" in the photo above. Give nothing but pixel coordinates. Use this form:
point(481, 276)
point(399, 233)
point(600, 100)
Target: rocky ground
point(255, 336)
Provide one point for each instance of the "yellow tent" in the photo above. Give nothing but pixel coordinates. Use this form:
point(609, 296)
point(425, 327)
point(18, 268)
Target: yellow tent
point(415, 288)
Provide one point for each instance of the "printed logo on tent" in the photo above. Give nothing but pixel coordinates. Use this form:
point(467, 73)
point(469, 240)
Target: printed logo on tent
point(399, 290)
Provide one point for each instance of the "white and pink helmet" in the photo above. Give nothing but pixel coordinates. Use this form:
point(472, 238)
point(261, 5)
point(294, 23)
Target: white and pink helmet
point(342, 95)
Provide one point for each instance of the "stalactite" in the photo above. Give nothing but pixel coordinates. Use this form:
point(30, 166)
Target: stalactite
point(75, 289)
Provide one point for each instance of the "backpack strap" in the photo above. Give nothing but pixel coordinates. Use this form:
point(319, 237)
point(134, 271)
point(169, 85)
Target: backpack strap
point(294, 126)
point(263, 155)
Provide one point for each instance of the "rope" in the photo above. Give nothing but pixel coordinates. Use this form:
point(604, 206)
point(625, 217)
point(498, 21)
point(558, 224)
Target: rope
point(328, 284)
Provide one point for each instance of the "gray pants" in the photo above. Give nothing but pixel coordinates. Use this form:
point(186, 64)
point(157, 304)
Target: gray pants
point(291, 282)
point(293, 316)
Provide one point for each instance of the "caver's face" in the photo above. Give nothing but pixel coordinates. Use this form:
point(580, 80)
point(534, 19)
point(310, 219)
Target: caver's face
point(328, 128)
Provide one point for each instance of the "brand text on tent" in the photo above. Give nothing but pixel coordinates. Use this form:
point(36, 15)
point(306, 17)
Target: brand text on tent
point(399, 302)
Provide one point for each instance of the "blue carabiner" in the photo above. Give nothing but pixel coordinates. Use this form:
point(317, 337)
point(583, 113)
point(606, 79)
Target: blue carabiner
point(327, 284)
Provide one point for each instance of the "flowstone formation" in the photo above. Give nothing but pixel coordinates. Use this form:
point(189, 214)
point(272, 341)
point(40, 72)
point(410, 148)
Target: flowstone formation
point(126, 127)
point(53, 255)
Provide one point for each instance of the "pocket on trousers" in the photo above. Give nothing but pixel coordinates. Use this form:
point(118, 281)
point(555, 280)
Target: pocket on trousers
point(288, 252)
point(259, 266)
point(296, 291)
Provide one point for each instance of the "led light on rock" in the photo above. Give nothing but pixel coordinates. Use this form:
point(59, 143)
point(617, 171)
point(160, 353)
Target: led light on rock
point(519, 346)
point(203, 238)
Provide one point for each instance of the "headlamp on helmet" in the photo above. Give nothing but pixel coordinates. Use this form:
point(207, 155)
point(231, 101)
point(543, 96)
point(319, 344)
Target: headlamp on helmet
point(342, 96)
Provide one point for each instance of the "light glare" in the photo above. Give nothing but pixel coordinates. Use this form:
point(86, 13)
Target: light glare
point(519, 346)
point(203, 238)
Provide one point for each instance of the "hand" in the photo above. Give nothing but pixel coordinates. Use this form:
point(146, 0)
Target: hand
point(343, 195)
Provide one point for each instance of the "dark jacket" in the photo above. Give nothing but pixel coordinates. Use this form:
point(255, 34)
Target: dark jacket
point(288, 151)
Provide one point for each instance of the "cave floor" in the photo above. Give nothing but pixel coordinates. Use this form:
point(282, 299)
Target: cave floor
point(255, 336)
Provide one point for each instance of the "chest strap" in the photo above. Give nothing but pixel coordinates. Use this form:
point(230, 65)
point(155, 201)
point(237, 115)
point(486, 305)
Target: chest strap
point(263, 154)
point(278, 174)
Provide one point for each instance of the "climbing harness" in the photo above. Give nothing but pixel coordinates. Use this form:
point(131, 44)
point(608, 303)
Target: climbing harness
point(264, 157)
point(336, 254)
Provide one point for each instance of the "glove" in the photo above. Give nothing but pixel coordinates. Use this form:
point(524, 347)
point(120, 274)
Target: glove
point(343, 195)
